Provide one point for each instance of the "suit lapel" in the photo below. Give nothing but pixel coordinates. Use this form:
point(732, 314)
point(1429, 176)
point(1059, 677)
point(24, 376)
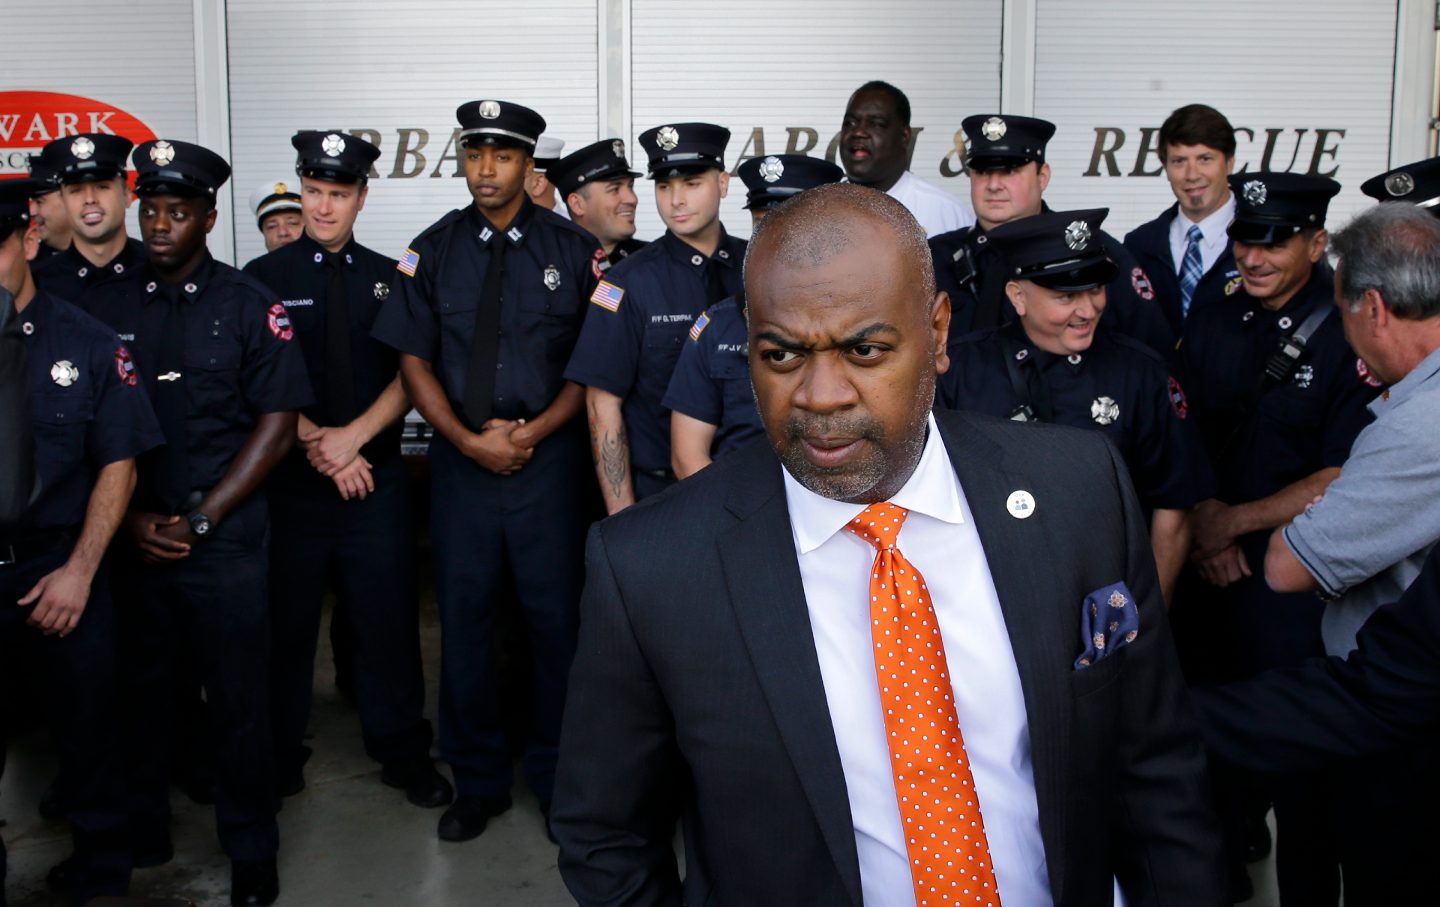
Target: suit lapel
point(763, 577)
point(1013, 547)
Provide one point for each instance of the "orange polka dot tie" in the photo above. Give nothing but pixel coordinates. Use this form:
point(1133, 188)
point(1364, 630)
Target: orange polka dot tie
point(939, 810)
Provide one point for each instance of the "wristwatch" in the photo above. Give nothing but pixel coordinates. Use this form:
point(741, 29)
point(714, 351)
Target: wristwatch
point(200, 524)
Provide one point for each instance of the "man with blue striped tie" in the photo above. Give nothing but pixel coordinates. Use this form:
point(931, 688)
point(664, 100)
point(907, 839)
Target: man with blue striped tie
point(1185, 250)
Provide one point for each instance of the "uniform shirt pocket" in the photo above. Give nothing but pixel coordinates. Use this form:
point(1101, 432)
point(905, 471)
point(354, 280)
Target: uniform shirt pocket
point(61, 421)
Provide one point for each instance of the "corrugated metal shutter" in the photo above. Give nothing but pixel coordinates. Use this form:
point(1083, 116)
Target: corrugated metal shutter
point(1290, 65)
point(787, 67)
point(396, 69)
point(139, 59)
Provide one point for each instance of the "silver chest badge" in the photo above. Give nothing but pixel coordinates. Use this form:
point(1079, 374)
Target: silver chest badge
point(993, 129)
point(382, 289)
point(1104, 410)
point(489, 109)
point(1304, 375)
point(82, 148)
point(332, 145)
point(771, 169)
point(1077, 235)
point(162, 152)
point(552, 278)
point(64, 373)
point(667, 138)
point(1255, 192)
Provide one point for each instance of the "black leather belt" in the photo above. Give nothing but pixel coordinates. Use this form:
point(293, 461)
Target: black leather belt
point(35, 543)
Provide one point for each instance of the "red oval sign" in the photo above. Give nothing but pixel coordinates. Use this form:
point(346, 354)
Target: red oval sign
point(30, 119)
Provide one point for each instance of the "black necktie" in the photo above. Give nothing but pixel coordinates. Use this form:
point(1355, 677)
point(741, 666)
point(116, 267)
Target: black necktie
point(714, 283)
point(17, 438)
point(485, 345)
point(340, 406)
point(992, 307)
point(1037, 384)
point(172, 404)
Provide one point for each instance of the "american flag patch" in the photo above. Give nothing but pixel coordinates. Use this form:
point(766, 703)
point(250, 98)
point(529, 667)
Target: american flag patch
point(408, 263)
point(607, 296)
point(698, 327)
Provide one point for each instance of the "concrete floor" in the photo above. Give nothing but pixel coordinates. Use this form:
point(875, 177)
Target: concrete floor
point(345, 840)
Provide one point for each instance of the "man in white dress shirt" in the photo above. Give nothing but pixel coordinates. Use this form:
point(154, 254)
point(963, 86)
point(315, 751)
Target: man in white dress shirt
point(732, 673)
point(875, 152)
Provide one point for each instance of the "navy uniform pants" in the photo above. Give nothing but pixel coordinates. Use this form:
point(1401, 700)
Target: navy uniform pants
point(77, 682)
point(365, 551)
point(531, 526)
point(212, 607)
point(1236, 633)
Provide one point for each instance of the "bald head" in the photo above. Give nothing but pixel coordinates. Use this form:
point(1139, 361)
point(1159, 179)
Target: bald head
point(843, 219)
point(847, 335)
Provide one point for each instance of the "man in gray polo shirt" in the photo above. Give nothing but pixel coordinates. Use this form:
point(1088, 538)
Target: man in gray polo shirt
point(1364, 542)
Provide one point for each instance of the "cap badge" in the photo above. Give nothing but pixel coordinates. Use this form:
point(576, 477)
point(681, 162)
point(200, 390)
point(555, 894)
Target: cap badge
point(162, 152)
point(667, 138)
point(332, 145)
point(618, 147)
point(1104, 410)
point(1399, 184)
point(64, 373)
point(993, 129)
point(382, 289)
point(1255, 192)
point(552, 278)
point(282, 189)
point(1077, 235)
point(490, 109)
point(82, 148)
point(771, 169)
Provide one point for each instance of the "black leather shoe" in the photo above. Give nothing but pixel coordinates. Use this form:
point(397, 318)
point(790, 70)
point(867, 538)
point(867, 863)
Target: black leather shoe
point(151, 850)
point(424, 786)
point(253, 882)
point(63, 878)
point(467, 817)
point(52, 807)
point(290, 779)
point(545, 815)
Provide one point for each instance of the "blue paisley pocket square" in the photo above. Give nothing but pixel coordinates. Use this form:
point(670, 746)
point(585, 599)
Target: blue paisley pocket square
point(1110, 622)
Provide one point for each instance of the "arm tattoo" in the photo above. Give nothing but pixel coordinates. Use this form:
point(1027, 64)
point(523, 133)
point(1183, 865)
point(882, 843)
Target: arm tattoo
point(615, 459)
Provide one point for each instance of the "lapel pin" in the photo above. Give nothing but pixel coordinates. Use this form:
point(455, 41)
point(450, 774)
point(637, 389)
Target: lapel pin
point(1021, 505)
point(169, 376)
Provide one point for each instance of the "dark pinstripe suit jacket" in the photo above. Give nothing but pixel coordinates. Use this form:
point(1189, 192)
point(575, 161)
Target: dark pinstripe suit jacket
point(697, 692)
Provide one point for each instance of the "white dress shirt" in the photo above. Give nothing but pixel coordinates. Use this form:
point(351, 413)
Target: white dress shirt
point(940, 539)
point(1212, 231)
point(937, 211)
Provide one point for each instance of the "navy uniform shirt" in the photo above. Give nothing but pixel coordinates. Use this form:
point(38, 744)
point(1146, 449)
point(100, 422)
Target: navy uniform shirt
point(638, 321)
point(1150, 244)
point(551, 266)
point(963, 259)
point(87, 407)
point(240, 363)
point(1296, 428)
point(298, 274)
point(100, 291)
point(1119, 387)
point(623, 250)
point(712, 379)
point(44, 253)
